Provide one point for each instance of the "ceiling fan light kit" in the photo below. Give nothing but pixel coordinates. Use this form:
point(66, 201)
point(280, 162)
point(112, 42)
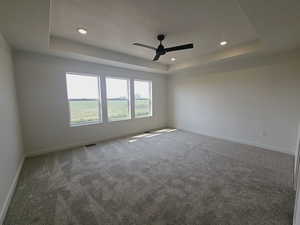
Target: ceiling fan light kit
point(161, 50)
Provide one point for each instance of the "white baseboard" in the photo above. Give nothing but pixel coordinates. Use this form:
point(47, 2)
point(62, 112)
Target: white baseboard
point(240, 141)
point(245, 142)
point(11, 192)
point(58, 148)
point(80, 144)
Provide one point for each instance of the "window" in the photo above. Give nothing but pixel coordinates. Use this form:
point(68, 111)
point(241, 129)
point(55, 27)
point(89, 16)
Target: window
point(143, 98)
point(84, 99)
point(118, 101)
point(84, 96)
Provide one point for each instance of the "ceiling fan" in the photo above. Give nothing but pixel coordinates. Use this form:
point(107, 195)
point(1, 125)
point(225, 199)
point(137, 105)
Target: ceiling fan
point(161, 50)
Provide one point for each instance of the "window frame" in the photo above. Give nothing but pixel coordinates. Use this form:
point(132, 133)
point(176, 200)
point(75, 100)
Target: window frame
point(150, 95)
point(100, 105)
point(128, 94)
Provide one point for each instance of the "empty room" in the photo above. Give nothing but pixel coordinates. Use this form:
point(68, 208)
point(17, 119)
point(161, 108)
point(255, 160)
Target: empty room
point(127, 112)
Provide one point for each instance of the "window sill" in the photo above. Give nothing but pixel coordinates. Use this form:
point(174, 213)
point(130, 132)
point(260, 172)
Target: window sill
point(86, 124)
point(119, 120)
point(141, 117)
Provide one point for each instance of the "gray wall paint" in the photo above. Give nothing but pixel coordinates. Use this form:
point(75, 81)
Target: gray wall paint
point(258, 106)
point(11, 152)
point(44, 107)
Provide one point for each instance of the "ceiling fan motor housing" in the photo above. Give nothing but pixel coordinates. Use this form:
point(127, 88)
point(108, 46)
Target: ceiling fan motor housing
point(160, 37)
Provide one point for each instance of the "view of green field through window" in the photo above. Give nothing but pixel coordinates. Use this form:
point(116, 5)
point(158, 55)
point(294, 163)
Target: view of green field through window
point(143, 98)
point(85, 104)
point(117, 94)
point(84, 99)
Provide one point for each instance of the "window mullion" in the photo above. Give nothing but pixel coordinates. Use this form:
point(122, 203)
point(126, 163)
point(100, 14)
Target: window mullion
point(150, 100)
point(100, 100)
point(104, 99)
point(132, 98)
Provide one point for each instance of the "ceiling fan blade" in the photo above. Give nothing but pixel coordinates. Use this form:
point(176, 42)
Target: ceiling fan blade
point(145, 46)
point(156, 57)
point(179, 47)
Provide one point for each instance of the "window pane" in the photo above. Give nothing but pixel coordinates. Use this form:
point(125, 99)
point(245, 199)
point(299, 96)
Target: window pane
point(82, 87)
point(142, 107)
point(86, 111)
point(84, 102)
point(118, 107)
point(143, 101)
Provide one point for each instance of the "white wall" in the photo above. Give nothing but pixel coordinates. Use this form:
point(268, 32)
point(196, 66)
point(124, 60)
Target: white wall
point(258, 106)
point(11, 152)
point(296, 219)
point(44, 107)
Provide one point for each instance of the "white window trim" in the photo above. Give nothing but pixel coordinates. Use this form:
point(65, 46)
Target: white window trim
point(151, 99)
point(100, 120)
point(102, 99)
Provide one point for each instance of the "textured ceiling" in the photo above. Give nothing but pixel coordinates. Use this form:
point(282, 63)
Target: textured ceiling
point(253, 29)
point(115, 25)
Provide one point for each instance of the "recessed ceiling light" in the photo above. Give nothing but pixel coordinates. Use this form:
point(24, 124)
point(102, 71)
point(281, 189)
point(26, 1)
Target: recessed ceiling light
point(82, 31)
point(173, 59)
point(223, 43)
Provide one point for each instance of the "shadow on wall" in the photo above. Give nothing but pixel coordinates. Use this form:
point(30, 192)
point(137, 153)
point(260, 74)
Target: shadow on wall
point(149, 135)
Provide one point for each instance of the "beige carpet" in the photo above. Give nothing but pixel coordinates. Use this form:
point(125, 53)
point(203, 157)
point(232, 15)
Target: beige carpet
point(165, 177)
